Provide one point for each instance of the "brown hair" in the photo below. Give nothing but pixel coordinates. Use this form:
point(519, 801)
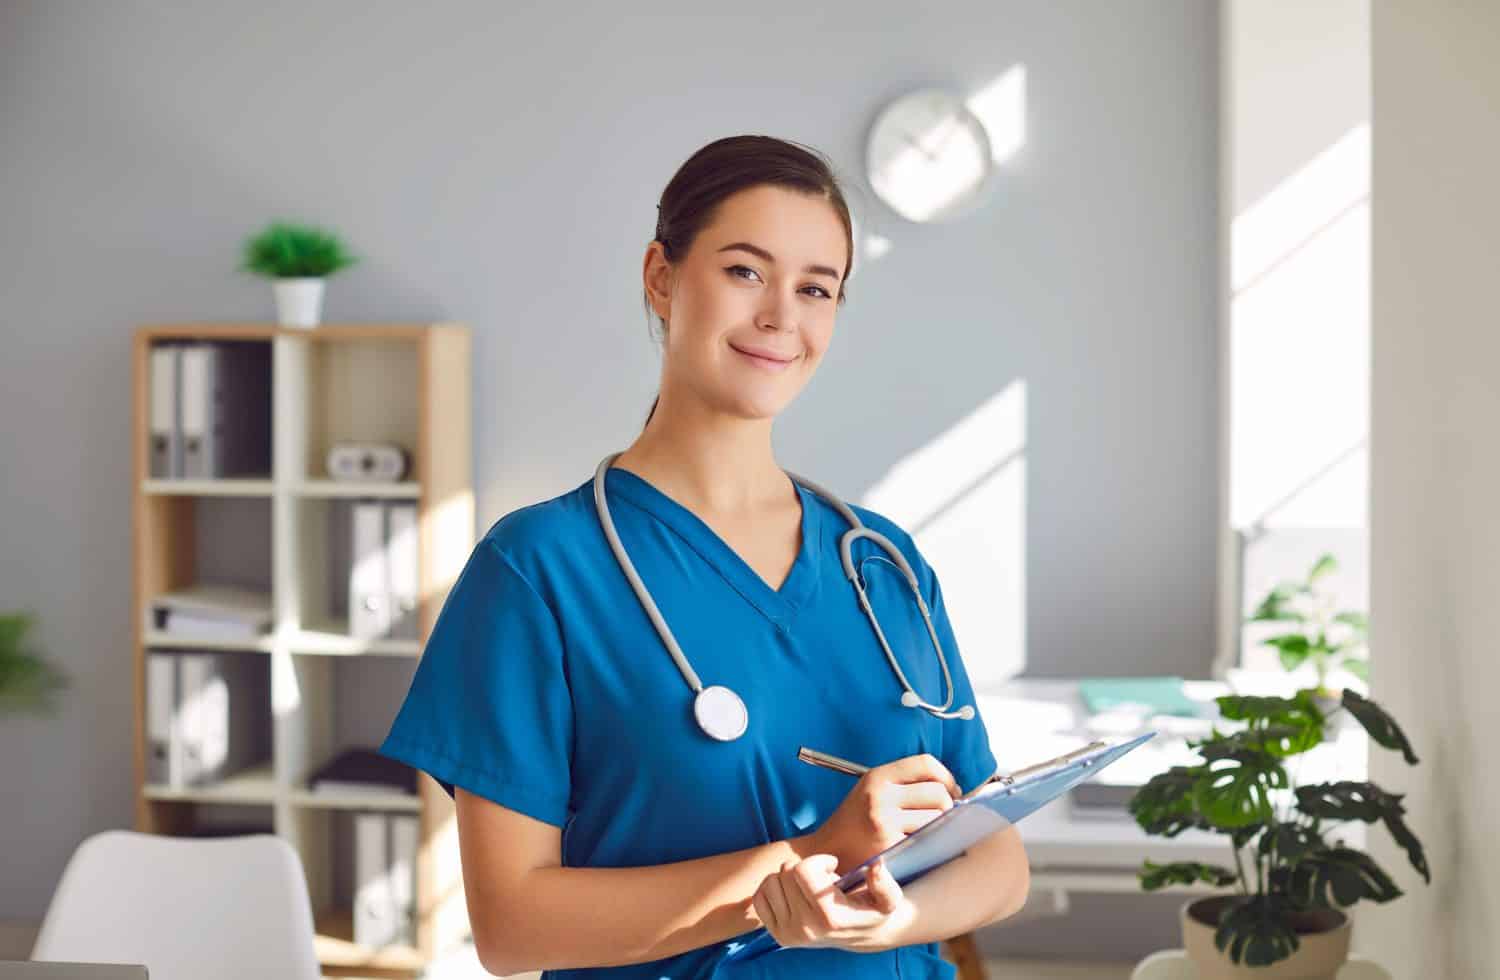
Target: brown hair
point(726, 166)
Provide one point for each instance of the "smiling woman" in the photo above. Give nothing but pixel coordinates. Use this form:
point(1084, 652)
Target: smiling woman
point(621, 816)
point(768, 189)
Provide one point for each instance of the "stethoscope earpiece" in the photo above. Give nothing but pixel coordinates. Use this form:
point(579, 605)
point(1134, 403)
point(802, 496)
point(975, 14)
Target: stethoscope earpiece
point(909, 699)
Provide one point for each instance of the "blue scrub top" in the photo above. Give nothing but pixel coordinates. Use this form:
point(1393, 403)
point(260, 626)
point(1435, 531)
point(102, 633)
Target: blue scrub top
point(545, 688)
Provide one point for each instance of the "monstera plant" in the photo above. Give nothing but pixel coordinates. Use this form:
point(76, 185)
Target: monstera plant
point(1293, 875)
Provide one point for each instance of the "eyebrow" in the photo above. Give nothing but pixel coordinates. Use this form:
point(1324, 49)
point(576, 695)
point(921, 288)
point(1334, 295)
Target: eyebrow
point(816, 270)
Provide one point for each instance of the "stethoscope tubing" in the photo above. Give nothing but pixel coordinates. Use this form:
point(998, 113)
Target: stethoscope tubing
point(857, 530)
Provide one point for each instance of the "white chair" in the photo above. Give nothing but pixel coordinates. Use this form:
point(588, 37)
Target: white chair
point(186, 907)
point(1173, 964)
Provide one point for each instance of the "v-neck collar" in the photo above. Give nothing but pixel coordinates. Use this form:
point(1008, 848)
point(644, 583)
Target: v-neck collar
point(777, 605)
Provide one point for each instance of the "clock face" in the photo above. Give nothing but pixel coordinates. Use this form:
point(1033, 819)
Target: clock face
point(928, 156)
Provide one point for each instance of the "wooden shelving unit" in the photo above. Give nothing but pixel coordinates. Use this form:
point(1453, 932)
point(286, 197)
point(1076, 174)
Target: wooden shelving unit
point(402, 383)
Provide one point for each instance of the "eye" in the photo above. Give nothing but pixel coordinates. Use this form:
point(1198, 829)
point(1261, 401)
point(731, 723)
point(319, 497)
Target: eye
point(735, 270)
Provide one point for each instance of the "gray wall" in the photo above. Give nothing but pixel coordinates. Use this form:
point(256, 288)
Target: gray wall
point(500, 166)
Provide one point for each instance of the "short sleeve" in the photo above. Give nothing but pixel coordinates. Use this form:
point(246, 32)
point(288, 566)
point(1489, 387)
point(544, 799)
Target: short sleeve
point(489, 707)
point(966, 748)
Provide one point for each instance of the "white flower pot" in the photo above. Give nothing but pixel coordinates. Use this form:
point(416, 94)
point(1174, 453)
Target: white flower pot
point(1323, 934)
point(298, 301)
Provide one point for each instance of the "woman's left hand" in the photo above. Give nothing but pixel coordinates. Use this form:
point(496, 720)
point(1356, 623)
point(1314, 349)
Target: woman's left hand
point(800, 906)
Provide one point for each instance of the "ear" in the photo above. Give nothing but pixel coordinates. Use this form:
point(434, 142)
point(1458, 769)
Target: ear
point(656, 275)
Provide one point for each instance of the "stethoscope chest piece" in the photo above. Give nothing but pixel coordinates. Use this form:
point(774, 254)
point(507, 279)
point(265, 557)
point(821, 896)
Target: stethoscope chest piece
point(721, 714)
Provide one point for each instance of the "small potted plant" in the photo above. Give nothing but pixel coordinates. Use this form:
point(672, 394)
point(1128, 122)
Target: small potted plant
point(1317, 634)
point(28, 682)
point(1285, 918)
point(298, 258)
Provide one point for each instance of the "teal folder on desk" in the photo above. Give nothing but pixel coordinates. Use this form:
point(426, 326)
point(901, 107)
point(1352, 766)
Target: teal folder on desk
point(1154, 695)
point(993, 807)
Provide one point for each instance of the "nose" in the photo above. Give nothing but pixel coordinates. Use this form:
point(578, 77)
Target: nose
point(779, 312)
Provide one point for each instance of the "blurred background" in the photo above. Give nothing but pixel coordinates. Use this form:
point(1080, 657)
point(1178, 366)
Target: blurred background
point(1214, 306)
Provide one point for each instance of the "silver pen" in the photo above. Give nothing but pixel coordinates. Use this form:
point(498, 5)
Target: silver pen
point(831, 762)
point(855, 769)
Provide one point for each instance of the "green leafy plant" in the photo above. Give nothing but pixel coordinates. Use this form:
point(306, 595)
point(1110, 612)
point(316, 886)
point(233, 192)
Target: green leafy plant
point(1242, 789)
point(27, 681)
point(1319, 634)
point(285, 251)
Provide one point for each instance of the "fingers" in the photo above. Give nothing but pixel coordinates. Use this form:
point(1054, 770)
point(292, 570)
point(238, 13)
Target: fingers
point(814, 877)
point(816, 909)
point(921, 796)
point(908, 807)
point(911, 821)
point(881, 890)
point(772, 903)
point(922, 768)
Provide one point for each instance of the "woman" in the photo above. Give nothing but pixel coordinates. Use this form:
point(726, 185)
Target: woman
point(603, 830)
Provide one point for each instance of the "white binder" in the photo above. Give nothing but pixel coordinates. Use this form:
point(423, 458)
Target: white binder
point(198, 700)
point(198, 411)
point(222, 703)
point(165, 446)
point(403, 831)
point(163, 747)
point(369, 595)
point(401, 568)
point(375, 922)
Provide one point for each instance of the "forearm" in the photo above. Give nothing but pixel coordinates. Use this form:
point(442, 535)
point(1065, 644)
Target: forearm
point(988, 883)
point(584, 917)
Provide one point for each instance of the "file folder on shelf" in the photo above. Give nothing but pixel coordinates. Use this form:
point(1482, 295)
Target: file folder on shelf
point(209, 610)
point(225, 410)
point(206, 716)
point(163, 746)
point(374, 906)
point(369, 596)
point(403, 833)
point(165, 442)
point(385, 861)
point(401, 568)
point(362, 770)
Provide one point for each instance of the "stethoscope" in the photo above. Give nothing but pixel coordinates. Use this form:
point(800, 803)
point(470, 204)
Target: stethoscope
point(720, 712)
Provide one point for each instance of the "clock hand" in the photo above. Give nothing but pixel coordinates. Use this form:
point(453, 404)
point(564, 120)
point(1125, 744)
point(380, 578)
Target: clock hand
point(917, 143)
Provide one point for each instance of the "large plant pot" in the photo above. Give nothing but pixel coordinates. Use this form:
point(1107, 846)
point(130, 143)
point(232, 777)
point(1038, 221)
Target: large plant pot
point(1323, 933)
point(299, 301)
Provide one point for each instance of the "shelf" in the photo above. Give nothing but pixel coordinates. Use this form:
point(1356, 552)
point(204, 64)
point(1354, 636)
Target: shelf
point(207, 488)
point(323, 641)
point(158, 640)
point(256, 785)
point(403, 802)
point(285, 527)
point(333, 639)
point(336, 947)
point(407, 490)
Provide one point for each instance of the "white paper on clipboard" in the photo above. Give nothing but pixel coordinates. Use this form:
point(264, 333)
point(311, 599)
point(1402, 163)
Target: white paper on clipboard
point(993, 806)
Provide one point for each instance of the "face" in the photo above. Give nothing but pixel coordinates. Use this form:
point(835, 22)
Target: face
point(750, 308)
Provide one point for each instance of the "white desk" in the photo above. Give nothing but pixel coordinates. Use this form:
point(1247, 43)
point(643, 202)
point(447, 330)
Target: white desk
point(1031, 720)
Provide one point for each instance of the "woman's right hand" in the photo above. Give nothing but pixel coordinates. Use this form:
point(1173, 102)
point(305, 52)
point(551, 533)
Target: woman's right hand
point(887, 803)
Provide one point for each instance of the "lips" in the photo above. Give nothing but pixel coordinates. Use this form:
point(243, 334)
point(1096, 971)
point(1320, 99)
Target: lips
point(769, 355)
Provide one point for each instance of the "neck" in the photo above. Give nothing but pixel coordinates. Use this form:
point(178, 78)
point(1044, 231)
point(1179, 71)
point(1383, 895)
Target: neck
point(707, 460)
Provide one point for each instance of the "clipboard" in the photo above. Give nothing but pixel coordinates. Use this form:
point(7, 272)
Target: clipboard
point(1002, 800)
